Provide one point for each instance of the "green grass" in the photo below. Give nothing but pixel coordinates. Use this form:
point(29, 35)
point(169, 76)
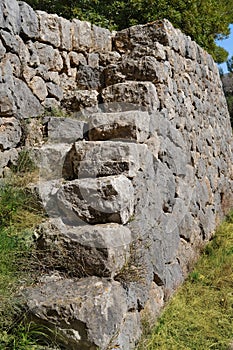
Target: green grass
point(20, 212)
point(200, 316)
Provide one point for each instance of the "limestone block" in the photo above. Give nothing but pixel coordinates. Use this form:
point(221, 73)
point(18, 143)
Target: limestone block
point(39, 88)
point(95, 306)
point(28, 73)
point(82, 36)
point(48, 28)
point(146, 68)
point(130, 332)
point(109, 58)
point(154, 304)
point(14, 62)
point(10, 41)
point(77, 58)
point(97, 200)
point(51, 103)
point(100, 250)
point(10, 16)
point(34, 60)
point(50, 160)
point(53, 77)
point(174, 156)
point(102, 39)
point(15, 45)
point(157, 51)
point(49, 57)
point(54, 91)
point(136, 93)
point(112, 75)
point(2, 49)
point(65, 130)
point(93, 60)
point(88, 78)
point(82, 101)
point(132, 125)
point(7, 103)
point(103, 158)
point(68, 83)
point(160, 31)
point(7, 158)
point(29, 21)
point(10, 133)
point(65, 28)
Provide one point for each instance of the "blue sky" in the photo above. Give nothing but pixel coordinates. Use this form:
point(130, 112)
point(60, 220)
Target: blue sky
point(228, 45)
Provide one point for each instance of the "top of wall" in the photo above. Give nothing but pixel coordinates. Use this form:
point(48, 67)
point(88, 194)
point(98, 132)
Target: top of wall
point(19, 18)
point(44, 58)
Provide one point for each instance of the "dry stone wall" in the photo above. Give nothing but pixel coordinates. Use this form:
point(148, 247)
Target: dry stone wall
point(134, 183)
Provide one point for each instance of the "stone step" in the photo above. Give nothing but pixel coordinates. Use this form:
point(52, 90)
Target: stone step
point(64, 130)
point(96, 200)
point(87, 313)
point(50, 159)
point(100, 250)
point(129, 126)
point(103, 158)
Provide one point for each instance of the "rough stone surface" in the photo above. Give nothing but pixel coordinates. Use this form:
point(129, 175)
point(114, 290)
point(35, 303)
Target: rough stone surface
point(65, 130)
point(39, 88)
point(146, 160)
point(135, 93)
point(100, 250)
point(91, 305)
point(9, 16)
point(129, 126)
point(101, 200)
point(29, 21)
point(10, 133)
point(103, 158)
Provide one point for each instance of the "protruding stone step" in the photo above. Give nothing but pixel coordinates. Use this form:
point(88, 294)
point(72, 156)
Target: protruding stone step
point(100, 250)
point(96, 201)
point(64, 130)
point(50, 159)
point(87, 313)
point(134, 94)
point(103, 158)
point(130, 126)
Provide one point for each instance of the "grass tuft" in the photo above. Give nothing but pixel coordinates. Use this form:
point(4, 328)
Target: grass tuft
point(20, 213)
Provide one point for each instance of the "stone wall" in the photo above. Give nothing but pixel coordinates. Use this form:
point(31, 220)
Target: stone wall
point(134, 183)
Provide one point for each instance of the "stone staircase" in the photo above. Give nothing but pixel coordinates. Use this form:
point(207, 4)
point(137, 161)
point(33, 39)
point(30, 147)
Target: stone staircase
point(88, 189)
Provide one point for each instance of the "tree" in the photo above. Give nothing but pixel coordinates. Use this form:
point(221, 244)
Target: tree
point(203, 20)
point(230, 64)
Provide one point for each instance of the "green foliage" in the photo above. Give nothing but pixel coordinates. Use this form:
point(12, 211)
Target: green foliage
point(25, 163)
point(204, 21)
point(200, 315)
point(20, 212)
point(229, 99)
point(230, 64)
